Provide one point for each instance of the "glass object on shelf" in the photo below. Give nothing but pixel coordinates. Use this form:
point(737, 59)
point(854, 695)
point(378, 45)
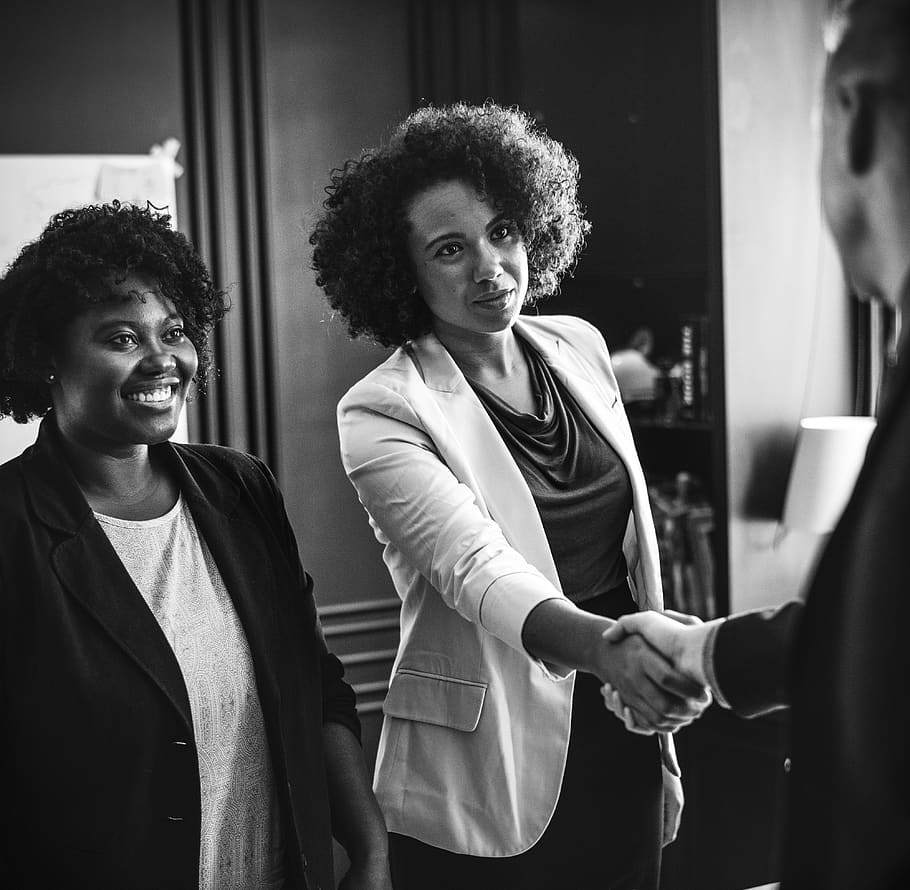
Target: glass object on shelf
point(668, 403)
point(684, 521)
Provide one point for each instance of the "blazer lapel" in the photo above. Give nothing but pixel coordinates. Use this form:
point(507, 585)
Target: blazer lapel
point(91, 572)
point(603, 409)
point(599, 405)
point(895, 398)
point(245, 563)
point(473, 449)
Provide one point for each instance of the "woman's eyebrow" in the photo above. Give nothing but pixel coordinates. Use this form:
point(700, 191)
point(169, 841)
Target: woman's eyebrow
point(134, 322)
point(497, 220)
point(446, 236)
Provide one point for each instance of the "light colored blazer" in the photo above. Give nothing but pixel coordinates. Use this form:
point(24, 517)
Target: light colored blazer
point(475, 734)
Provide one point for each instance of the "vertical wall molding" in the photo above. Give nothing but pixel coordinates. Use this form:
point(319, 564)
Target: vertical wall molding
point(228, 219)
point(463, 50)
point(715, 299)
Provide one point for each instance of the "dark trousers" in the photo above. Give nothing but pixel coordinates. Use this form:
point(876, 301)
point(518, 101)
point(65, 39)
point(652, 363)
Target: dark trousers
point(606, 831)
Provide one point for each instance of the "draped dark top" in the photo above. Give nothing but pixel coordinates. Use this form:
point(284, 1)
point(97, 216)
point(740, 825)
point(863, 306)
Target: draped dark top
point(578, 481)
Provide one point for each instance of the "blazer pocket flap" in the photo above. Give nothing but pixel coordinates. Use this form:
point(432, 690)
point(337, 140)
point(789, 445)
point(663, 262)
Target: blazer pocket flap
point(432, 698)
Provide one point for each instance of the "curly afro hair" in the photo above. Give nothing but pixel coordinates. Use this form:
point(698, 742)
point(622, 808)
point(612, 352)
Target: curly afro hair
point(360, 255)
point(72, 264)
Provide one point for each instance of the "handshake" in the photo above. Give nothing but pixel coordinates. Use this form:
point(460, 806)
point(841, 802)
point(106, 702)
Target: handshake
point(663, 685)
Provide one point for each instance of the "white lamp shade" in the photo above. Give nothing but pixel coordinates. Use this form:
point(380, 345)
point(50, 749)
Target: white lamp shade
point(829, 454)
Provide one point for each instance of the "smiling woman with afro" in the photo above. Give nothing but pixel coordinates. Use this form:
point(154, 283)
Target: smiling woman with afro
point(171, 714)
point(72, 265)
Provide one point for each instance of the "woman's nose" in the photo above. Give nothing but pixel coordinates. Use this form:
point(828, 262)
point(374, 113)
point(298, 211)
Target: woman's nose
point(487, 263)
point(159, 358)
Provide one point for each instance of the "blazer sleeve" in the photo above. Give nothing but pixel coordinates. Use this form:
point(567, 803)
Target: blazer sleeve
point(418, 505)
point(751, 658)
point(338, 698)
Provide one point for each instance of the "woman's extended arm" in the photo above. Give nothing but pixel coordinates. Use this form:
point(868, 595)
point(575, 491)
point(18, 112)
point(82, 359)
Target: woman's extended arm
point(420, 506)
point(432, 518)
point(558, 631)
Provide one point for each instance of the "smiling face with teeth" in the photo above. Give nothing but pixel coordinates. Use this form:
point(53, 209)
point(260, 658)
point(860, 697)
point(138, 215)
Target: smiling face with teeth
point(122, 369)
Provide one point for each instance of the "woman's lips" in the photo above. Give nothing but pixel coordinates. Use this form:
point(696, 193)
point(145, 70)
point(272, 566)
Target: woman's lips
point(154, 392)
point(154, 396)
point(496, 300)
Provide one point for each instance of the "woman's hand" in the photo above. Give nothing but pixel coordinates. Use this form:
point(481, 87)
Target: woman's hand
point(673, 806)
point(660, 697)
point(357, 821)
point(614, 704)
point(369, 875)
point(648, 692)
point(680, 639)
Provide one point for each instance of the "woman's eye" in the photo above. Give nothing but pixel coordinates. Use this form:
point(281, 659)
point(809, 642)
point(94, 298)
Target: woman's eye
point(501, 231)
point(124, 340)
point(449, 250)
point(175, 334)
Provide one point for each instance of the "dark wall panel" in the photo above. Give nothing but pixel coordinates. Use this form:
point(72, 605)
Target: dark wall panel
point(336, 78)
point(630, 102)
point(89, 77)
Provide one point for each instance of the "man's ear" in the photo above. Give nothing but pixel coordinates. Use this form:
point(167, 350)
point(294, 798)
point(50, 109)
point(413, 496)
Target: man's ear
point(857, 103)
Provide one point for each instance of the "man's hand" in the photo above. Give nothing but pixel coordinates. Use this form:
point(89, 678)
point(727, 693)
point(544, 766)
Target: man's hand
point(565, 637)
point(656, 695)
point(680, 639)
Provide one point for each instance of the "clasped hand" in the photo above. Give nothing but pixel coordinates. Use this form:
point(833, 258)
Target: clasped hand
point(656, 682)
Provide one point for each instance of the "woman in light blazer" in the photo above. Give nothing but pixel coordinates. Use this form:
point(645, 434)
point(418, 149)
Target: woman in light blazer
point(494, 460)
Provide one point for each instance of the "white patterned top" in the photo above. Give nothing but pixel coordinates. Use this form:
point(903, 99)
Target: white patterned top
point(241, 844)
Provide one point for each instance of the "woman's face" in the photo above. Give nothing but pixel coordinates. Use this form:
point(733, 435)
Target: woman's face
point(470, 261)
point(122, 370)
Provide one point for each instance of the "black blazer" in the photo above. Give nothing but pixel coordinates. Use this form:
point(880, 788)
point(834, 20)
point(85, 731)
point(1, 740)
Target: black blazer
point(843, 662)
point(100, 782)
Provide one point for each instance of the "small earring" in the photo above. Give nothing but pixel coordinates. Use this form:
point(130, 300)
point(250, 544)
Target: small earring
point(51, 377)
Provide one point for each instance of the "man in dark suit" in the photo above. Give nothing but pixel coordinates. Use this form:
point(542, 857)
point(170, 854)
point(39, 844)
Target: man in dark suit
point(842, 661)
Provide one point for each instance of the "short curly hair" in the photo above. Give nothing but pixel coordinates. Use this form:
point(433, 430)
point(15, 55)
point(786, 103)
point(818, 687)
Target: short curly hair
point(70, 265)
point(360, 254)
